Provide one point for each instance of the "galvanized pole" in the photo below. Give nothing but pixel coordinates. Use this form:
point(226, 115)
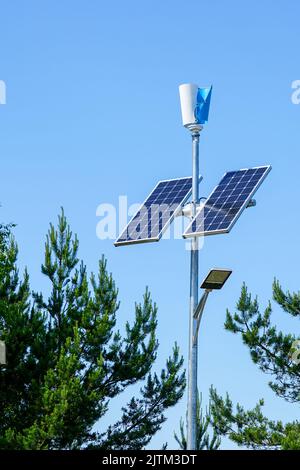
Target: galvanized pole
point(193, 343)
point(2, 353)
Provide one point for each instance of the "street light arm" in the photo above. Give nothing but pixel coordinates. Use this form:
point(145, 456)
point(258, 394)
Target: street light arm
point(199, 312)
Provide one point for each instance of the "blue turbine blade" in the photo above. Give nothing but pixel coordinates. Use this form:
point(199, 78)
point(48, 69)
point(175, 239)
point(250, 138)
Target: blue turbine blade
point(203, 103)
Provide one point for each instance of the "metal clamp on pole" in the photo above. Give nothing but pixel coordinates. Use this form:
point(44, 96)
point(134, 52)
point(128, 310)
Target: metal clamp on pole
point(187, 210)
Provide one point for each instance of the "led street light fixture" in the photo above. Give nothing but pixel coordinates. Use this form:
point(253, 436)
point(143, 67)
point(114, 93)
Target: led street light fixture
point(215, 279)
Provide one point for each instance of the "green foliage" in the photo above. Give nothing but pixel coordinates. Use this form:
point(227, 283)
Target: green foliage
point(271, 350)
point(143, 417)
point(66, 360)
point(203, 440)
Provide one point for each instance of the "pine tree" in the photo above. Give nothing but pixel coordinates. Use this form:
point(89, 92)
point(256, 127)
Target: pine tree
point(66, 360)
point(276, 354)
point(203, 439)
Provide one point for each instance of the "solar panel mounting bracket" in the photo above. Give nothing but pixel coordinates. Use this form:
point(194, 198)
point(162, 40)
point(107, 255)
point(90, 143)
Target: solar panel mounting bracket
point(251, 203)
point(187, 210)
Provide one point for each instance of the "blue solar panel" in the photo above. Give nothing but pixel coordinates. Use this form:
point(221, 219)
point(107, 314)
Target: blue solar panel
point(227, 201)
point(157, 212)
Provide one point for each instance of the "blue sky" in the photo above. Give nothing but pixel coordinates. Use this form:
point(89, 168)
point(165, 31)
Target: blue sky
point(93, 113)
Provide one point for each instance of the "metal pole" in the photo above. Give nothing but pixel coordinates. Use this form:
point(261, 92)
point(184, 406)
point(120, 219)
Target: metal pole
point(193, 343)
point(2, 353)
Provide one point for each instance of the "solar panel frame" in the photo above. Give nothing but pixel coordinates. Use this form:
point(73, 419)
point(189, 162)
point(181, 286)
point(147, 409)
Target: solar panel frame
point(198, 233)
point(167, 223)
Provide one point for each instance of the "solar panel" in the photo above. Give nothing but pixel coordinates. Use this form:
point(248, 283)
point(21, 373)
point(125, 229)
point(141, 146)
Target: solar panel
point(157, 212)
point(227, 201)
